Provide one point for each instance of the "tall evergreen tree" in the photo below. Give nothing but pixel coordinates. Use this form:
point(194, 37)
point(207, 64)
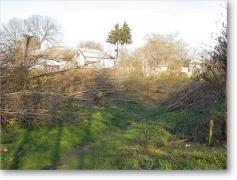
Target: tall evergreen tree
point(114, 37)
point(126, 34)
point(120, 36)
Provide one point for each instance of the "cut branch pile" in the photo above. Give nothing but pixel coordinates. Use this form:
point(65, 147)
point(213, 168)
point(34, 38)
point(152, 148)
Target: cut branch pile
point(198, 96)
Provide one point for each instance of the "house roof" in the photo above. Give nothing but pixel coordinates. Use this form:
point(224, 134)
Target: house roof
point(68, 53)
point(91, 54)
point(51, 62)
point(58, 52)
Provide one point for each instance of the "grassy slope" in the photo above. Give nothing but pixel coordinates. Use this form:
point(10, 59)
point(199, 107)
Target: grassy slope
point(118, 135)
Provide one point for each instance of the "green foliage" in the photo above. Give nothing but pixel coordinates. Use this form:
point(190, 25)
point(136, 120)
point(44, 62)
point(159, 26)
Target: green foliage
point(181, 123)
point(114, 36)
point(165, 165)
point(150, 134)
point(117, 135)
point(217, 124)
point(126, 37)
point(120, 36)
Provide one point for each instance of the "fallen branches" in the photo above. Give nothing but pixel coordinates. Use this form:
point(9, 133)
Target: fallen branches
point(199, 95)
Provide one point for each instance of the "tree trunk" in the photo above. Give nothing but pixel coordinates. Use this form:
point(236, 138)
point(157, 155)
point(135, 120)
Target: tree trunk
point(24, 64)
point(117, 51)
point(26, 48)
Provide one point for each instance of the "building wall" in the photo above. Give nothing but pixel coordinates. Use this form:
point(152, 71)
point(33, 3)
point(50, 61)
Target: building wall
point(80, 60)
point(93, 61)
point(107, 63)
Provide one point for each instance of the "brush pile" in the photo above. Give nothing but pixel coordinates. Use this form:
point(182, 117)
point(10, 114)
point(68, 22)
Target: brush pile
point(196, 96)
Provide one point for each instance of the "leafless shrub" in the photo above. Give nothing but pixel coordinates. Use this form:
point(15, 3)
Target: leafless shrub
point(91, 45)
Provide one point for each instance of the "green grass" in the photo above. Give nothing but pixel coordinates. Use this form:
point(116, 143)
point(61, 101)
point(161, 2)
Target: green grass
point(116, 135)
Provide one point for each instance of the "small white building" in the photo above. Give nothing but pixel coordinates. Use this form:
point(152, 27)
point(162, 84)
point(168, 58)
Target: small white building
point(55, 58)
point(60, 57)
point(93, 58)
point(161, 68)
point(185, 70)
point(107, 63)
point(52, 63)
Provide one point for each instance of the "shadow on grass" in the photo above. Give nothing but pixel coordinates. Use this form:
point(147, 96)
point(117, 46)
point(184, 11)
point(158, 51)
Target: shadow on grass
point(27, 146)
point(56, 150)
point(117, 115)
point(20, 150)
point(30, 145)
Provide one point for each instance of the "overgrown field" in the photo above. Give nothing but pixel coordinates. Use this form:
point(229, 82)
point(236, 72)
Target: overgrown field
point(115, 135)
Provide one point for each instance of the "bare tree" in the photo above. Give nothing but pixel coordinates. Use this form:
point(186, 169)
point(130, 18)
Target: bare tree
point(19, 38)
point(91, 45)
point(11, 35)
point(43, 30)
point(166, 49)
point(162, 48)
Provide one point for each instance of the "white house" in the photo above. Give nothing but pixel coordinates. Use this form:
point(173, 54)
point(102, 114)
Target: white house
point(93, 58)
point(185, 70)
point(51, 64)
point(60, 57)
point(55, 58)
point(161, 68)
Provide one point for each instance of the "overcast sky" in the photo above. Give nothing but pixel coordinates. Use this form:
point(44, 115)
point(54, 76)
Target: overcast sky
point(194, 20)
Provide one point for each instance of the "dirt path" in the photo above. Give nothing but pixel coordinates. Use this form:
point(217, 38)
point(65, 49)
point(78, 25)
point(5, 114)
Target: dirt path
point(84, 149)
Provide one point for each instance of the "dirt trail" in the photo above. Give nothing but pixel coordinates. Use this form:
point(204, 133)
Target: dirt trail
point(83, 149)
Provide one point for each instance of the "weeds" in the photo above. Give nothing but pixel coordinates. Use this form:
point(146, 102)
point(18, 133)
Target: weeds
point(117, 135)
